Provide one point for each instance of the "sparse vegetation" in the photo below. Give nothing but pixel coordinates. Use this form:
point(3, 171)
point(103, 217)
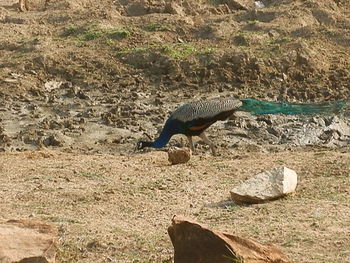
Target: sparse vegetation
point(90, 175)
point(71, 31)
point(133, 50)
point(253, 22)
point(117, 33)
point(206, 51)
point(92, 32)
point(241, 39)
point(281, 40)
point(179, 50)
point(176, 51)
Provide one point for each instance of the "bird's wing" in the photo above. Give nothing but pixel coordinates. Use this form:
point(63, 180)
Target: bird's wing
point(212, 110)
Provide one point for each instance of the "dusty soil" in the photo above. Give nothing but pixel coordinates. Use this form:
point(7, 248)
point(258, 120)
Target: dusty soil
point(83, 80)
point(117, 208)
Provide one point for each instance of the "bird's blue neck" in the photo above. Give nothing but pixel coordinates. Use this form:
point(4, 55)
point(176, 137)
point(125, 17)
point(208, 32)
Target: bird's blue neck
point(170, 129)
point(162, 140)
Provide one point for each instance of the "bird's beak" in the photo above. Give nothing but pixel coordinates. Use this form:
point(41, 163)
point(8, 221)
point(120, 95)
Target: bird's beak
point(149, 137)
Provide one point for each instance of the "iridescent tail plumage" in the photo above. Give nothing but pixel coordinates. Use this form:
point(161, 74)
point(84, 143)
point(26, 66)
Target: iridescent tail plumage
point(257, 107)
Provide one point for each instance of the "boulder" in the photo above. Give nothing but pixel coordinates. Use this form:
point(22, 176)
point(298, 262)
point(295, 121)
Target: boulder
point(27, 241)
point(179, 155)
point(194, 243)
point(266, 186)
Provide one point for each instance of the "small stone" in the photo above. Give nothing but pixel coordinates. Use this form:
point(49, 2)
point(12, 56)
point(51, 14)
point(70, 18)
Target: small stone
point(259, 4)
point(273, 33)
point(265, 186)
point(284, 77)
point(179, 155)
point(52, 85)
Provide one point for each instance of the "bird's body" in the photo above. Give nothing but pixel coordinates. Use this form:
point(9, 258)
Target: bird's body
point(193, 118)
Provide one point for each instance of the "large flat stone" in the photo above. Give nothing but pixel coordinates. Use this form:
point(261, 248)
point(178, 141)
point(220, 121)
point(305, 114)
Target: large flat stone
point(27, 241)
point(265, 186)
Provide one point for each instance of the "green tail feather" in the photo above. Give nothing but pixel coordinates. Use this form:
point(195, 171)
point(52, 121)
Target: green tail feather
point(265, 107)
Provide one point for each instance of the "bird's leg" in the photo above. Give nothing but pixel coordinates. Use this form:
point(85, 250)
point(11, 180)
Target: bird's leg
point(190, 141)
point(207, 141)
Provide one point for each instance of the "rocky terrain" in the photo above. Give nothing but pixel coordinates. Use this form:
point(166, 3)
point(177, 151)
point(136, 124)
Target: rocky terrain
point(94, 77)
point(82, 81)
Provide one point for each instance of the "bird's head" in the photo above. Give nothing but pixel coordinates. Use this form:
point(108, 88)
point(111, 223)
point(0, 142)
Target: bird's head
point(142, 144)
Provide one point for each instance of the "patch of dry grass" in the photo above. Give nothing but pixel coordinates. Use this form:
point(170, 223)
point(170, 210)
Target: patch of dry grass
point(118, 208)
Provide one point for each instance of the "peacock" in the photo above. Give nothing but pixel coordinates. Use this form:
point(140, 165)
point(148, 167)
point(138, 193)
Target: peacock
point(192, 119)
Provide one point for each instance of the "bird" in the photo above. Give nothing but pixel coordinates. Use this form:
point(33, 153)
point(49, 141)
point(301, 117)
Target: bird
point(193, 118)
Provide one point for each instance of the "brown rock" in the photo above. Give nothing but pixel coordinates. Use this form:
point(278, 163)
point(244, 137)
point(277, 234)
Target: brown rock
point(179, 155)
point(27, 241)
point(194, 243)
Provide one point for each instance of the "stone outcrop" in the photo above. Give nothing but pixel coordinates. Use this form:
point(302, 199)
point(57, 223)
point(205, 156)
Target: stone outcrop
point(27, 241)
point(194, 243)
point(265, 186)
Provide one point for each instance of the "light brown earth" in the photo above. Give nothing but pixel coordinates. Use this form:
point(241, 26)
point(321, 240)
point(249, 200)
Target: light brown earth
point(118, 208)
point(81, 81)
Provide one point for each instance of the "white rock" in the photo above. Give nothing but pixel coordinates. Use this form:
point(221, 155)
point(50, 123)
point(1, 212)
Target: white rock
point(265, 186)
point(339, 126)
point(52, 84)
point(259, 4)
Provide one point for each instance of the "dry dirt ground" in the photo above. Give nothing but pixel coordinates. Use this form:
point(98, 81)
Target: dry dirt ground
point(117, 208)
point(81, 81)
